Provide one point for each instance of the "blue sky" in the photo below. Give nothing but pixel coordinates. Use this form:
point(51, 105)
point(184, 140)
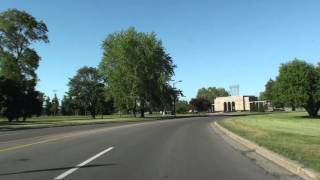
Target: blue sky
point(213, 43)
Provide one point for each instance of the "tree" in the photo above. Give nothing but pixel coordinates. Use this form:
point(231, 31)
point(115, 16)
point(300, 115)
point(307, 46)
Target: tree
point(67, 106)
point(268, 93)
point(105, 106)
point(54, 109)
point(18, 30)
point(18, 101)
point(137, 69)
point(298, 85)
point(47, 104)
point(87, 87)
point(211, 93)
point(271, 94)
point(200, 104)
point(19, 62)
point(11, 99)
point(262, 96)
point(182, 107)
point(2, 97)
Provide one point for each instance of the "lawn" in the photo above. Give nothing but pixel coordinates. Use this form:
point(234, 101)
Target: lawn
point(290, 134)
point(50, 121)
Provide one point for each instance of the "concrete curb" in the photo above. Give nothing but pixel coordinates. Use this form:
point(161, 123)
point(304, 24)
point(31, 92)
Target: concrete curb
point(288, 164)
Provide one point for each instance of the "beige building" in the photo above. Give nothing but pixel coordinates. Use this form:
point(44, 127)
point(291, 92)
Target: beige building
point(234, 103)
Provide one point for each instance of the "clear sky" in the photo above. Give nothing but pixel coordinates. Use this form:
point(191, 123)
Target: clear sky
point(214, 43)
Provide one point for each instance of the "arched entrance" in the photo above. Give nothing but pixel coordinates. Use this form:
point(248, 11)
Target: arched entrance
point(229, 107)
point(225, 108)
point(233, 106)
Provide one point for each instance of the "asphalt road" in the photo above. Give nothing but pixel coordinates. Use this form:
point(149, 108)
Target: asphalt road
point(181, 149)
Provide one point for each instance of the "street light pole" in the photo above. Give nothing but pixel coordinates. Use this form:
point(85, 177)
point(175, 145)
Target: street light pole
point(175, 98)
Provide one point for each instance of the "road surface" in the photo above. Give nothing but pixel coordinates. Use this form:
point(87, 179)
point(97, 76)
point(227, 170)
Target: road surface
point(181, 149)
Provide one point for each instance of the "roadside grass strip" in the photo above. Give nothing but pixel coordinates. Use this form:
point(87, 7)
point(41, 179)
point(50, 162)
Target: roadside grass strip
point(292, 135)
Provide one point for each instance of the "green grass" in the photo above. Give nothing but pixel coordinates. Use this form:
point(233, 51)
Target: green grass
point(51, 121)
point(290, 134)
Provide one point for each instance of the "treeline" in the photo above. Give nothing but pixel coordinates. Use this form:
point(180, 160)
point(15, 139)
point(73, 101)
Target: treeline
point(297, 85)
point(133, 77)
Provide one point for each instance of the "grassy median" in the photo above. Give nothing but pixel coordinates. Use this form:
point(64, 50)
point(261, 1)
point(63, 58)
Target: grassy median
point(290, 134)
point(52, 121)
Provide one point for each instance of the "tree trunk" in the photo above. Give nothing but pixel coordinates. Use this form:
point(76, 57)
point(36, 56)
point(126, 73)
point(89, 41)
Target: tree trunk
point(142, 109)
point(293, 108)
point(135, 108)
point(312, 111)
point(142, 112)
point(134, 112)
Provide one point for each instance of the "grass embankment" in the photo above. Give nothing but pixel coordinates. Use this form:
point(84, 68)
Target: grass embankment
point(51, 121)
point(290, 134)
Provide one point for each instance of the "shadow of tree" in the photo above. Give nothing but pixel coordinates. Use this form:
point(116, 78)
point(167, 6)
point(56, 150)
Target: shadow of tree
point(56, 169)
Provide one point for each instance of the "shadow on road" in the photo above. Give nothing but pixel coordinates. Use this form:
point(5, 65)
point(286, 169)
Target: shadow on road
point(56, 169)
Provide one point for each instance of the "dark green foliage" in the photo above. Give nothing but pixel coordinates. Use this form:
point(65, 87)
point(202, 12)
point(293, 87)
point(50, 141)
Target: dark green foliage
point(211, 93)
point(88, 90)
point(271, 94)
point(18, 65)
point(19, 101)
point(182, 107)
point(106, 106)
point(268, 93)
point(200, 104)
point(298, 85)
point(66, 106)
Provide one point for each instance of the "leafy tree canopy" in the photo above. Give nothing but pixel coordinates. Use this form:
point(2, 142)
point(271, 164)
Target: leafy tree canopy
point(19, 62)
point(298, 85)
point(87, 88)
point(200, 104)
point(137, 69)
point(211, 93)
point(182, 107)
point(18, 30)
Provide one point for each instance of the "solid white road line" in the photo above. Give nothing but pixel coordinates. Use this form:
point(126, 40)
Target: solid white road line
point(63, 175)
